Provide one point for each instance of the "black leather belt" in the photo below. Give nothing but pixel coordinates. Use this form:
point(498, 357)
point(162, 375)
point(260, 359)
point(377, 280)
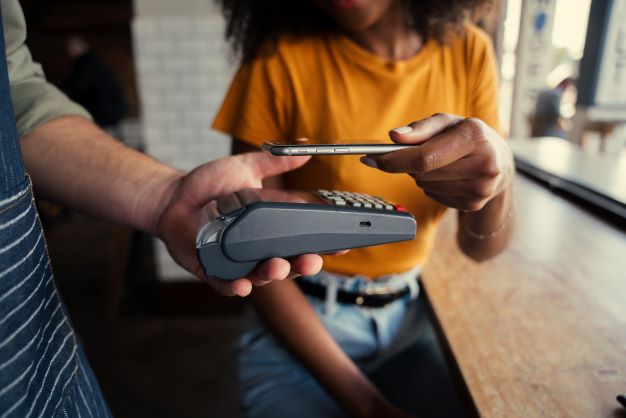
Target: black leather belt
point(373, 298)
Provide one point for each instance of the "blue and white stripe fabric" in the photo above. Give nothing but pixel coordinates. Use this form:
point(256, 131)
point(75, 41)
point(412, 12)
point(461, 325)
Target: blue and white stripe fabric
point(43, 371)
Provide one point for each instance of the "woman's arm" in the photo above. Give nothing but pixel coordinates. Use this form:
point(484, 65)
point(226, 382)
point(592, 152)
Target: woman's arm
point(485, 233)
point(463, 164)
point(293, 321)
point(291, 318)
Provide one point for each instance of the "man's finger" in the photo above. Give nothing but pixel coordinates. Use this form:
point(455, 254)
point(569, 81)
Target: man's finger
point(239, 287)
point(340, 252)
point(422, 130)
point(266, 165)
point(272, 269)
point(306, 265)
point(280, 269)
point(259, 282)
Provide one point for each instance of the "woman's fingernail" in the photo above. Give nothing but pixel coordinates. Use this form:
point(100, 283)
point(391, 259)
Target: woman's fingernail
point(369, 162)
point(402, 130)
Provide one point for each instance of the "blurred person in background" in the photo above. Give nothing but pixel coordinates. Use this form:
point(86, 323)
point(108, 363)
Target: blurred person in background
point(547, 120)
point(95, 86)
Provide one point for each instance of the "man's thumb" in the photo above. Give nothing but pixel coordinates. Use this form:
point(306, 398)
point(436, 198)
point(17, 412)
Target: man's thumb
point(266, 165)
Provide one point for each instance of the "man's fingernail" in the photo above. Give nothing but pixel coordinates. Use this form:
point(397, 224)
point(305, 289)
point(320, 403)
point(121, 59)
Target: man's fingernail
point(369, 162)
point(402, 130)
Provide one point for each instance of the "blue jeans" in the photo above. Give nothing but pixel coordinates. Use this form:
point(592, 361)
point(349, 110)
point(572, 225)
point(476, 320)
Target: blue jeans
point(274, 384)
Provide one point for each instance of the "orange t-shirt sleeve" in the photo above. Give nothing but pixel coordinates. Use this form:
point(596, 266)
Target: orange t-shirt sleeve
point(257, 105)
point(483, 78)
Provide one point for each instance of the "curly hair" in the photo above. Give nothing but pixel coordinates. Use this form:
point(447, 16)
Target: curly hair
point(252, 23)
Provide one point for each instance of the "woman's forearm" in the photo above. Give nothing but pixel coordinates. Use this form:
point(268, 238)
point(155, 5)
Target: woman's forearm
point(289, 315)
point(485, 233)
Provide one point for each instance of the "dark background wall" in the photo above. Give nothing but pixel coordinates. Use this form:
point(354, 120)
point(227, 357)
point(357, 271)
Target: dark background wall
point(105, 24)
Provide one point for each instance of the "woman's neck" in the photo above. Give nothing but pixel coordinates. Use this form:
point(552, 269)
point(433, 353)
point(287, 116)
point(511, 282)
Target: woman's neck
point(391, 38)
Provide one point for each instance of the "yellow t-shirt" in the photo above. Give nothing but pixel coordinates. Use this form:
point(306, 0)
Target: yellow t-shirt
point(330, 90)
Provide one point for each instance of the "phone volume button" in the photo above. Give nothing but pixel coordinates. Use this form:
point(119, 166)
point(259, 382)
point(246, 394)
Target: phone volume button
point(303, 151)
point(342, 149)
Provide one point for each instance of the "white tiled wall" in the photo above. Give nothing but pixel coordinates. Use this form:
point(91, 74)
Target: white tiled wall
point(183, 73)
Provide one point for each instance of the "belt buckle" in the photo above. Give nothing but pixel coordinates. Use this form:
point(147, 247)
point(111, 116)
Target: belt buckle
point(380, 291)
point(374, 291)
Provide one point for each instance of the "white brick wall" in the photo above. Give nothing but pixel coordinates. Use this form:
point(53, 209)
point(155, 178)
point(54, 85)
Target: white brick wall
point(183, 73)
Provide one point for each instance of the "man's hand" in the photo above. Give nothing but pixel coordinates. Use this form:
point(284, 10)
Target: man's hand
point(461, 163)
point(74, 163)
point(177, 216)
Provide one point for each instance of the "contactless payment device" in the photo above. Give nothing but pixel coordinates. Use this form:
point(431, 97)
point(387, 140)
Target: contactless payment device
point(240, 230)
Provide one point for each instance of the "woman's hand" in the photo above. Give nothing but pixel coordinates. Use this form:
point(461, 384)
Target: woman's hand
point(461, 163)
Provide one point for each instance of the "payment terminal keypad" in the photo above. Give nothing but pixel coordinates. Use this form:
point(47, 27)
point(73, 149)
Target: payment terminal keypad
point(356, 200)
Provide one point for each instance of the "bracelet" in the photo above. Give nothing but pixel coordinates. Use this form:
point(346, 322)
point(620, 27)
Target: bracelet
point(492, 234)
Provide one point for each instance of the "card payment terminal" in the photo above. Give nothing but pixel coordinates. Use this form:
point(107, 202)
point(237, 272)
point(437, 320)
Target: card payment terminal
point(244, 228)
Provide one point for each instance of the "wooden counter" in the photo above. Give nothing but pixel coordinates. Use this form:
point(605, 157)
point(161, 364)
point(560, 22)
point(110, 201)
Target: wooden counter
point(539, 331)
point(599, 179)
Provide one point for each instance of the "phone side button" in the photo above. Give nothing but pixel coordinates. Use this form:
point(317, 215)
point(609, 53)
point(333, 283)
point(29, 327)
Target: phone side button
point(302, 151)
point(342, 149)
point(320, 150)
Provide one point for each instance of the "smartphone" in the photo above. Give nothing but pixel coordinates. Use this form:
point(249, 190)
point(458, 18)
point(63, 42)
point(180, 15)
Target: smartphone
point(277, 148)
